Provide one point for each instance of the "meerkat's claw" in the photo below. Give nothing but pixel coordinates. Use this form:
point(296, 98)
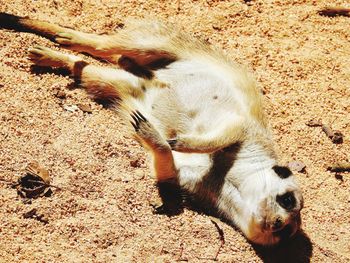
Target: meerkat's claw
point(35, 52)
point(172, 143)
point(73, 40)
point(41, 56)
point(65, 39)
point(178, 144)
point(138, 119)
point(146, 130)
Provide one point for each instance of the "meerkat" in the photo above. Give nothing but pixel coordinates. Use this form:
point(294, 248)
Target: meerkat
point(199, 114)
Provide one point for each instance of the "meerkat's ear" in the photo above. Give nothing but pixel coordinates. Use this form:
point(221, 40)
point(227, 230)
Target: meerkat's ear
point(282, 171)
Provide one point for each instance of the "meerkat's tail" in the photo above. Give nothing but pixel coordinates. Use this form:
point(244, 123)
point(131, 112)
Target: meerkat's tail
point(25, 24)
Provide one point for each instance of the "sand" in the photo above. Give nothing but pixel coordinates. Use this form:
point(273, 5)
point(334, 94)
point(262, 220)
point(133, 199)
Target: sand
point(102, 211)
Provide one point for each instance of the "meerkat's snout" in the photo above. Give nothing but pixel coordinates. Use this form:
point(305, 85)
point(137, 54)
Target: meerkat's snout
point(277, 225)
point(285, 223)
point(274, 226)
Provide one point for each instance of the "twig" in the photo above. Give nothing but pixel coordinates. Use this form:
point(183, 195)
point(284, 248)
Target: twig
point(222, 242)
point(339, 167)
point(335, 136)
point(180, 258)
point(335, 11)
point(314, 123)
point(221, 236)
point(7, 169)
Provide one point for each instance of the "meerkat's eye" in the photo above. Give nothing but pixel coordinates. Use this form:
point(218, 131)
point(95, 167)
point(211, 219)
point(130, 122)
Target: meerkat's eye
point(287, 200)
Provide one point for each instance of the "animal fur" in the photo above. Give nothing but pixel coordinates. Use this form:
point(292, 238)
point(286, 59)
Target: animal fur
point(199, 115)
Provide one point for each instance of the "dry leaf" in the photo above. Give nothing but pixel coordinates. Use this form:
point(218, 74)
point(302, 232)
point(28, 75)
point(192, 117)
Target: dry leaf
point(35, 183)
point(35, 169)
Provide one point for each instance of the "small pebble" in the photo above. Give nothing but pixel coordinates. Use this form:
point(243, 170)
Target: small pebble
point(71, 108)
point(297, 166)
point(85, 108)
point(60, 94)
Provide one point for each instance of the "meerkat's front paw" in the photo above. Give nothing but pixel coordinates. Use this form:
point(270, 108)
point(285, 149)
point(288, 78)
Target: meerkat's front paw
point(148, 134)
point(140, 123)
point(143, 128)
point(191, 144)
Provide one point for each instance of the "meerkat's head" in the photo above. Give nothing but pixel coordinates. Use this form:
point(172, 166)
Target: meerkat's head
point(274, 200)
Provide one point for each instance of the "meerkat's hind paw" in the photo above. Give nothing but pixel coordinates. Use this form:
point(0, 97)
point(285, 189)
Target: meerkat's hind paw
point(72, 40)
point(43, 56)
point(37, 52)
point(39, 55)
point(65, 39)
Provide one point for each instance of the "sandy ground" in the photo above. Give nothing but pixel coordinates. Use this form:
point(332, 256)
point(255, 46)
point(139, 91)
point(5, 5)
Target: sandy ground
point(103, 213)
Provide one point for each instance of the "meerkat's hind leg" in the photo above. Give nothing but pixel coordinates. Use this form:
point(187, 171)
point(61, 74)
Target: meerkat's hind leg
point(103, 84)
point(138, 44)
point(168, 186)
point(90, 43)
point(67, 37)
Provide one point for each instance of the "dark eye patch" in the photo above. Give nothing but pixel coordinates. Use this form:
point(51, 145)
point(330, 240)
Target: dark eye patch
point(287, 200)
point(282, 171)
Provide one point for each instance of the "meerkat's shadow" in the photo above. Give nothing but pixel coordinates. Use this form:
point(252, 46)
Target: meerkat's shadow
point(40, 70)
point(297, 249)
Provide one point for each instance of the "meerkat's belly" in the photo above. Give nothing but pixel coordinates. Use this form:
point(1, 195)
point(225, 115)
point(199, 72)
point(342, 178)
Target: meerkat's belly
point(197, 100)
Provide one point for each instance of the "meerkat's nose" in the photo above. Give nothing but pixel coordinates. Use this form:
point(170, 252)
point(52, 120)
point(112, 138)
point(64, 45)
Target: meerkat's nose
point(277, 225)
